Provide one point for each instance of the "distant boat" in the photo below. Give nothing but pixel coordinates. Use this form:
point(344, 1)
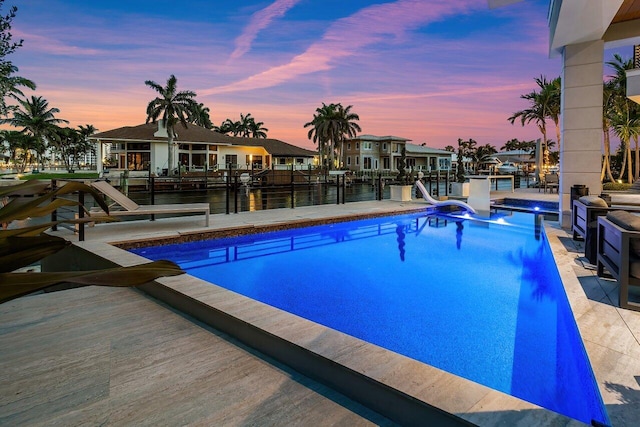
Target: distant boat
point(507, 168)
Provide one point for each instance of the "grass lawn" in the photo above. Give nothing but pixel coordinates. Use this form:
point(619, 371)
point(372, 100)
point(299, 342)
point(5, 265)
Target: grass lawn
point(77, 175)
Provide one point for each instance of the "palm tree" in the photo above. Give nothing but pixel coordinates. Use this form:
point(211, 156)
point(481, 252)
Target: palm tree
point(229, 127)
point(543, 105)
point(19, 146)
point(623, 115)
point(348, 126)
point(201, 116)
point(37, 119)
point(172, 107)
point(550, 93)
point(318, 135)
point(483, 152)
point(10, 86)
point(257, 129)
point(330, 125)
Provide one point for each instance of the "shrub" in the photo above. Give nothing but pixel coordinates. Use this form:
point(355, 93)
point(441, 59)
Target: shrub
point(615, 186)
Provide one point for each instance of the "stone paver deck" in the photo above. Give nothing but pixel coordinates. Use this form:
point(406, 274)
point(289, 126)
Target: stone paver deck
point(115, 356)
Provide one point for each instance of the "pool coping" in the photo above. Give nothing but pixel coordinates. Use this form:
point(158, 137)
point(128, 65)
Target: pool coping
point(405, 390)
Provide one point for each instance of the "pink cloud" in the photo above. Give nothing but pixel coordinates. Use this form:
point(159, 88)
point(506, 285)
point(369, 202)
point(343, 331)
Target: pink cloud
point(347, 36)
point(259, 21)
point(50, 45)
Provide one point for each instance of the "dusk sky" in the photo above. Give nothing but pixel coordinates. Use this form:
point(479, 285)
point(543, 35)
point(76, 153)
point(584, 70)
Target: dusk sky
point(432, 71)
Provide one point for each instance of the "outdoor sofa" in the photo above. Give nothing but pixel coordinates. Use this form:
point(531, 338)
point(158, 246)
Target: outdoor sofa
point(619, 254)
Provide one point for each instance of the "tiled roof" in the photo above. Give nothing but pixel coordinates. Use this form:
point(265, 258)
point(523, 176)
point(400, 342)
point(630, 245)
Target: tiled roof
point(378, 138)
point(197, 134)
point(421, 149)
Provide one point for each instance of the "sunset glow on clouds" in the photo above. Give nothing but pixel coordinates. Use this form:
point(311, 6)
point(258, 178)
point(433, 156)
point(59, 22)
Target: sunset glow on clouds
point(429, 70)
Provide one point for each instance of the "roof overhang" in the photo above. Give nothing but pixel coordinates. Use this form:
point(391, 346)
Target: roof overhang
point(633, 85)
point(579, 21)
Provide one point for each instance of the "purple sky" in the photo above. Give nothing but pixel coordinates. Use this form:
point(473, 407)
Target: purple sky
point(429, 70)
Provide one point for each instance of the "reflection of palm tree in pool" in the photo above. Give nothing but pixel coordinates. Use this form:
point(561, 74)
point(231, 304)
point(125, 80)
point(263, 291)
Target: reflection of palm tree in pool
point(536, 272)
point(459, 228)
point(400, 240)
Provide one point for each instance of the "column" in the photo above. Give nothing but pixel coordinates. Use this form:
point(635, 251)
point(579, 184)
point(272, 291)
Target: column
point(581, 122)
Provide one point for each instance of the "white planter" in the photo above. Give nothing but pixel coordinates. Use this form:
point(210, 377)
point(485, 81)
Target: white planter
point(460, 189)
point(401, 193)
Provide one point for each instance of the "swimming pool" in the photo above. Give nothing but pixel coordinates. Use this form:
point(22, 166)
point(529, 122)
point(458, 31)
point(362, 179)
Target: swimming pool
point(480, 299)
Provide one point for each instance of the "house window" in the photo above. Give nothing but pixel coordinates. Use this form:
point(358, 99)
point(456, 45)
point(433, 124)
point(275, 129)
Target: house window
point(348, 146)
point(366, 146)
point(300, 161)
point(232, 159)
point(136, 146)
point(357, 161)
point(213, 160)
point(282, 161)
point(366, 163)
point(357, 145)
point(384, 146)
point(138, 161)
point(385, 163)
point(348, 160)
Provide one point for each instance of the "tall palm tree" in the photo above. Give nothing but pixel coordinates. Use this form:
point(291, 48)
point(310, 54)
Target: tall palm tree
point(318, 133)
point(172, 107)
point(543, 105)
point(550, 92)
point(348, 126)
point(330, 125)
point(36, 118)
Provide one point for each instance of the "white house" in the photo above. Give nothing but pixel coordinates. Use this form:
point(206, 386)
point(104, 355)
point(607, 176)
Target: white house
point(143, 146)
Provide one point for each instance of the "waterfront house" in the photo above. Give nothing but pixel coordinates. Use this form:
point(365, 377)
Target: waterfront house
point(145, 146)
point(370, 153)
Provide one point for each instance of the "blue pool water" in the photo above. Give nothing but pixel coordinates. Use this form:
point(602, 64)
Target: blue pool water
point(481, 299)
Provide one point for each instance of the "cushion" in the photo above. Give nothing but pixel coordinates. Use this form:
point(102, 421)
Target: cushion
point(628, 221)
point(625, 219)
point(593, 201)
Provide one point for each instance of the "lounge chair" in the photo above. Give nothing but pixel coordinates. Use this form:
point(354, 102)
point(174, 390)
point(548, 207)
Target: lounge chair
point(584, 223)
point(551, 182)
point(132, 208)
point(440, 203)
point(619, 253)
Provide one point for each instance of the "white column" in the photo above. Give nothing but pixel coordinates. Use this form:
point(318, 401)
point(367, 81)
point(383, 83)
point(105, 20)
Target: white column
point(581, 121)
point(99, 156)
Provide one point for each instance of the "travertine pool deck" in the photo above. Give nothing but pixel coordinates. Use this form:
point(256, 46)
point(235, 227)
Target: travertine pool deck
point(115, 356)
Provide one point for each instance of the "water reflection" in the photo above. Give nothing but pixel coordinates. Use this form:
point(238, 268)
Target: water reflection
point(459, 229)
point(400, 240)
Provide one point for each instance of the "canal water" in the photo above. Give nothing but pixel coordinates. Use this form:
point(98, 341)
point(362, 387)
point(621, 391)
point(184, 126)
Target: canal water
point(254, 199)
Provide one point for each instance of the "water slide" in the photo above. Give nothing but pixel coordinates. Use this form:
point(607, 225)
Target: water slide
point(439, 203)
